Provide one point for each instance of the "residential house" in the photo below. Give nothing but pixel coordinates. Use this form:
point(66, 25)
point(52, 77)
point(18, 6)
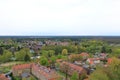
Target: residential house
point(77, 57)
point(84, 55)
point(20, 69)
point(44, 73)
point(41, 72)
point(109, 60)
point(71, 68)
point(93, 61)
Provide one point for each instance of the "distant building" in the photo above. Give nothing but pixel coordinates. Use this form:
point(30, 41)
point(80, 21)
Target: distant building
point(84, 55)
point(93, 61)
point(77, 56)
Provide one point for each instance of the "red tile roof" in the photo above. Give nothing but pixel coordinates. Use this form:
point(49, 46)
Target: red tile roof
point(109, 60)
point(2, 77)
point(46, 72)
point(84, 54)
point(21, 66)
point(93, 59)
point(75, 67)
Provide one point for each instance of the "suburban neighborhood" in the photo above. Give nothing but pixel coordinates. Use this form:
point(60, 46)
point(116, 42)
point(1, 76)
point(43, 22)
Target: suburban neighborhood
point(41, 59)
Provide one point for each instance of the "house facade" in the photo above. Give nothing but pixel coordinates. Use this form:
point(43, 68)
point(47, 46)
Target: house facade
point(40, 72)
point(18, 70)
point(44, 73)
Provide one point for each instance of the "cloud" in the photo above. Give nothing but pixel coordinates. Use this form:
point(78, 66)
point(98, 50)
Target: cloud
point(65, 17)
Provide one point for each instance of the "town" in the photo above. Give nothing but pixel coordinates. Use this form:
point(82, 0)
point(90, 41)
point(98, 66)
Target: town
point(59, 59)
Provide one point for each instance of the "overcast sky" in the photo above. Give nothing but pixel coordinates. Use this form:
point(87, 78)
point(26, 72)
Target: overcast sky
point(59, 17)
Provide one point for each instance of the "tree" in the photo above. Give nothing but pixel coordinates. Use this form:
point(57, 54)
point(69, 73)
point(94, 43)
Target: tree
point(74, 76)
point(53, 60)
point(103, 50)
point(65, 68)
point(44, 61)
point(20, 55)
point(1, 51)
point(111, 72)
point(7, 55)
point(51, 53)
point(64, 52)
point(98, 75)
point(45, 53)
point(116, 52)
point(27, 57)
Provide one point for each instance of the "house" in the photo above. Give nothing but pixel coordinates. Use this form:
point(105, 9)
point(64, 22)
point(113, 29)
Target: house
point(44, 73)
point(102, 56)
point(71, 68)
point(109, 60)
point(3, 77)
point(84, 55)
point(41, 72)
point(93, 61)
point(18, 70)
point(78, 57)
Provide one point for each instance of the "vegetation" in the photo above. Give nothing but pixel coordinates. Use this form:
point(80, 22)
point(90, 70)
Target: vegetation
point(111, 72)
point(44, 61)
point(13, 50)
point(74, 76)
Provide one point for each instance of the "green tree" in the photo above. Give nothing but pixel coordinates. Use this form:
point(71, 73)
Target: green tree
point(1, 50)
point(45, 53)
point(103, 50)
point(98, 75)
point(51, 53)
point(7, 55)
point(44, 61)
point(20, 55)
point(113, 70)
point(64, 52)
point(53, 60)
point(27, 57)
point(74, 76)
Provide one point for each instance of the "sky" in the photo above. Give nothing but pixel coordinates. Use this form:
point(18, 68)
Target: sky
point(60, 17)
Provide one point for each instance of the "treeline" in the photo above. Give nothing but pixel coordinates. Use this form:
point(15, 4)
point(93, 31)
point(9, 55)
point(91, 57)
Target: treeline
point(90, 46)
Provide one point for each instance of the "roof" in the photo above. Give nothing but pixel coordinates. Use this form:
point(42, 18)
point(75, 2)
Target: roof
point(59, 60)
point(73, 66)
point(21, 66)
point(84, 54)
point(3, 77)
point(93, 59)
point(109, 60)
point(46, 72)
